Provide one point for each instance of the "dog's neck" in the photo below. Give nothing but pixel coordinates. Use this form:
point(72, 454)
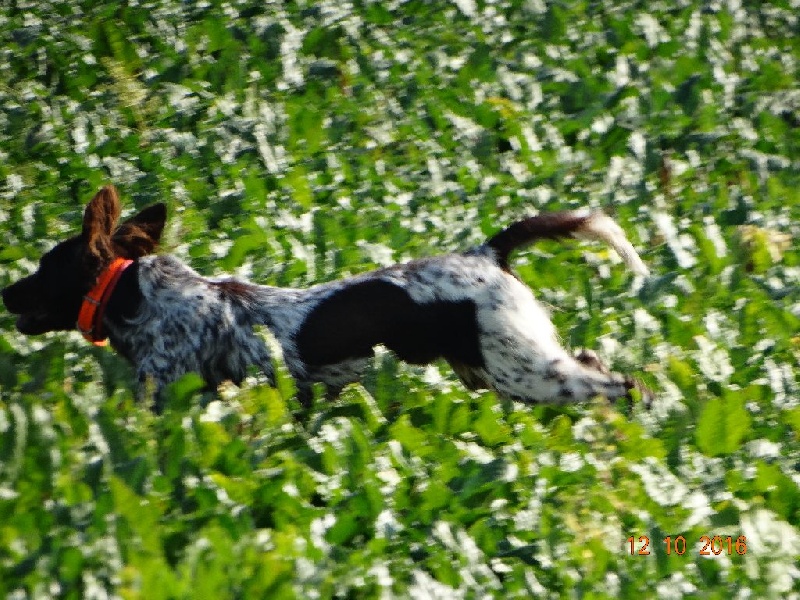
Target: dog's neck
point(126, 297)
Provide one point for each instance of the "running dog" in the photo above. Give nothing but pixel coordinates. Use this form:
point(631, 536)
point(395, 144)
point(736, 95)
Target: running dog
point(168, 320)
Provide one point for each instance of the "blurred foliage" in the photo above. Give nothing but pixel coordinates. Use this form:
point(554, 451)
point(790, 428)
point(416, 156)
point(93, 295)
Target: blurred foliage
point(296, 142)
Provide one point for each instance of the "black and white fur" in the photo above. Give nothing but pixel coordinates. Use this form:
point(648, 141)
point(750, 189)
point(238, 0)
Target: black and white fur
point(466, 308)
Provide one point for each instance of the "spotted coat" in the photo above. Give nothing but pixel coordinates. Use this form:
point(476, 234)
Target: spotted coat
point(467, 308)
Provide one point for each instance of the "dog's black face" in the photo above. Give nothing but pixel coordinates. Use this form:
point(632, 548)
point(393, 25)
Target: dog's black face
point(50, 299)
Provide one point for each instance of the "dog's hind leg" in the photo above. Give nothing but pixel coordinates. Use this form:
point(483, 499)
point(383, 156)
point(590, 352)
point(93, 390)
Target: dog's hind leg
point(590, 359)
point(558, 380)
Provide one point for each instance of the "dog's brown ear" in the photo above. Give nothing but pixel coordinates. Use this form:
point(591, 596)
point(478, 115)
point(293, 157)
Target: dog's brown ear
point(139, 235)
point(151, 220)
point(99, 219)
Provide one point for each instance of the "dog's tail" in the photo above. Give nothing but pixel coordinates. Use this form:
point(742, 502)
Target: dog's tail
point(581, 224)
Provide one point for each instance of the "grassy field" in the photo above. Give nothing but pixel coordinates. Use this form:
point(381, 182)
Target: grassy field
point(295, 142)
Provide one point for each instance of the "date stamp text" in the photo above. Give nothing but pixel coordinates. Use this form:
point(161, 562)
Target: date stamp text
point(707, 545)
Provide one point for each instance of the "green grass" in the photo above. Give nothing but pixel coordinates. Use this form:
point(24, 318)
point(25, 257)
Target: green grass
point(298, 142)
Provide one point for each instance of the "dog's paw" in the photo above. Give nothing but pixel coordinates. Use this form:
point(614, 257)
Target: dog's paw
point(646, 394)
point(588, 358)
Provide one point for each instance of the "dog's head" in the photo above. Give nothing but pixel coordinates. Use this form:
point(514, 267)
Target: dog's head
point(50, 299)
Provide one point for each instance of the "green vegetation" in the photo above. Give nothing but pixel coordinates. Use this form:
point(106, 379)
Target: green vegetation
point(295, 142)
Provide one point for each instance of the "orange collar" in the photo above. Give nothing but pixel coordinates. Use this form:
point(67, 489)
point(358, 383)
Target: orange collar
point(90, 318)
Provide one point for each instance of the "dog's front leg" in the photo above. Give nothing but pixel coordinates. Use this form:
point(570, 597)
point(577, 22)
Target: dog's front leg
point(150, 391)
point(153, 375)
